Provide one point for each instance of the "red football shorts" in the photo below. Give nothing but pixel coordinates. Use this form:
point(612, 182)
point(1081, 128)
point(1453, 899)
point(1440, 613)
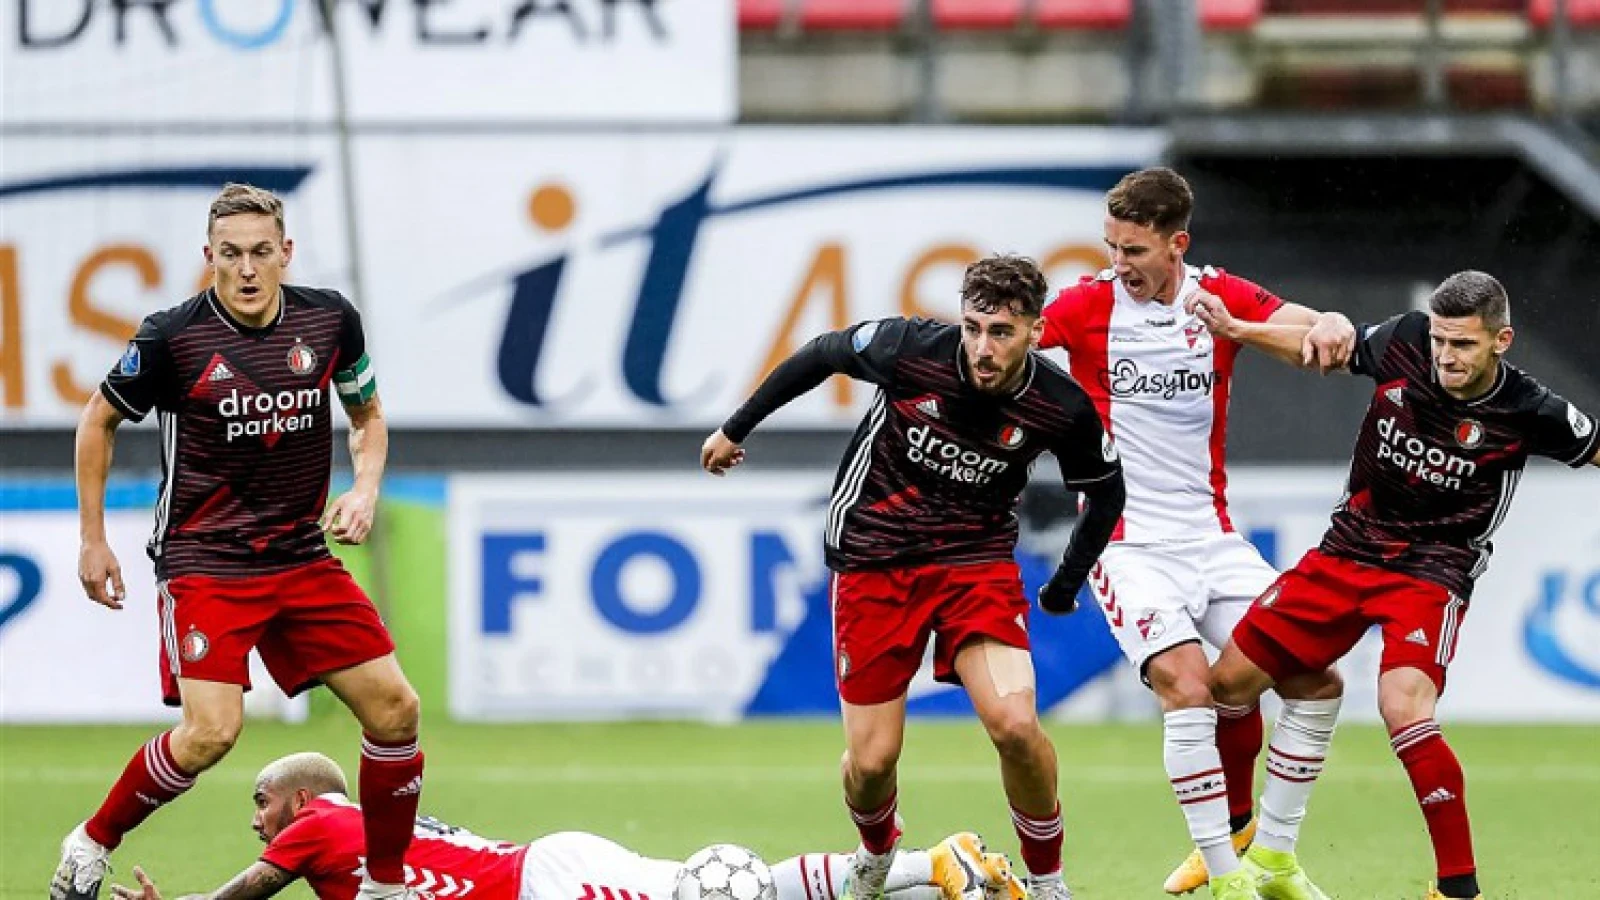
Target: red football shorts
point(882, 621)
point(305, 622)
point(1314, 613)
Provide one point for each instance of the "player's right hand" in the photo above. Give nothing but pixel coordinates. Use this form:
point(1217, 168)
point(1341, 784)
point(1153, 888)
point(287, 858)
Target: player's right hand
point(97, 565)
point(718, 454)
point(146, 890)
point(1059, 596)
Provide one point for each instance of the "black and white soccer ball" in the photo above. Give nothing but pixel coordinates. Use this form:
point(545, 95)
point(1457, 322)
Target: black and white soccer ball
point(724, 872)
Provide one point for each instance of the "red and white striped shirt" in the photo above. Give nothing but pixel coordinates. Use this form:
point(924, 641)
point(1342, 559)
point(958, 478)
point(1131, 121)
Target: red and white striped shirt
point(1160, 383)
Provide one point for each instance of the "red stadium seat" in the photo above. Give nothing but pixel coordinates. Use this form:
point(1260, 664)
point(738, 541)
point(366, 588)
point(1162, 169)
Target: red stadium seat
point(1071, 15)
point(977, 14)
point(852, 15)
point(1389, 7)
point(1230, 15)
point(760, 15)
point(1583, 13)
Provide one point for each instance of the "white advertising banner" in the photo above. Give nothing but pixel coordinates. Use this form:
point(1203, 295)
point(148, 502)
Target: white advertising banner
point(97, 234)
point(630, 281)
point(441, 62)
point(684, 595)
point(64, 658)
point(650, 283)
point(625, 595)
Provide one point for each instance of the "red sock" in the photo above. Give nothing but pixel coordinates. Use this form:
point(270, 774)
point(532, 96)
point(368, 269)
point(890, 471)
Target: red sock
point(151, 780)
point(1041, 840)
point(391, 785)
point(1239, 734)
point(1441, 791)
point(877, 826)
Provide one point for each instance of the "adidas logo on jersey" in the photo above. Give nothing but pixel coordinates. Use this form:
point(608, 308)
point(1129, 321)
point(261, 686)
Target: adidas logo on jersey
point(1417, 637)
point(411, 788)
point(1396, 395)
point(1439, 795)
point(929, 407)
point(220, 373)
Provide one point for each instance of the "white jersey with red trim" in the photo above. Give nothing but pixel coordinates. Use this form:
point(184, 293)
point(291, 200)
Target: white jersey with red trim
point(1161, 385)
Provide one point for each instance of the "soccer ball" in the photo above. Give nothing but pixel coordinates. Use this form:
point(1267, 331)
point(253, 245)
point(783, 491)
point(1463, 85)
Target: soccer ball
point(724, 872)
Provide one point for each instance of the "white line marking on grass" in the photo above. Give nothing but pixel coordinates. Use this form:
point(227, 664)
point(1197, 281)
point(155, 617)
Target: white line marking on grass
point(952, 774)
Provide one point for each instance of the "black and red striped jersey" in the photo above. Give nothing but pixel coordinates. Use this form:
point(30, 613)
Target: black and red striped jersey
point(246, 429)
point(1432, 476)
point(934, 471)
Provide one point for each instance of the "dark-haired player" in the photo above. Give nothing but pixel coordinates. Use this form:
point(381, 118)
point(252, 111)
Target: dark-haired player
point(921, 533)
point(1444, 442)
point(1177, 573)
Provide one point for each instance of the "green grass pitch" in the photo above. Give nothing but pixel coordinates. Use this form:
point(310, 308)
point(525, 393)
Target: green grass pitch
point(666, 789)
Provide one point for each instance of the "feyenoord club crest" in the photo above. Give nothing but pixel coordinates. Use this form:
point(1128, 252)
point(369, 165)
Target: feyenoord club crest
point(302, 359)
point(1469, 433)
point(1011, 437)
point(195, 646)
point(844, 665)
point(1271, 596)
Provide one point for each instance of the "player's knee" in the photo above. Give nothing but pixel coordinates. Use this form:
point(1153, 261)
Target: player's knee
point(1325, 685)
point(1401, 704)
point(1015, 731)
point(870, 763)
point(397, 717)
point(201, 745)
point(1182, 690)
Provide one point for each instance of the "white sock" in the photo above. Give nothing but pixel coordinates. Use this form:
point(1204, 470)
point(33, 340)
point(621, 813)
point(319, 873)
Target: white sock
point(1295, 757)
point(820, 876)
point(1189, 749)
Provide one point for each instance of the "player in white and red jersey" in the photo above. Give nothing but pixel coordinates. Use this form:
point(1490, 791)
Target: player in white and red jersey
point(313, 831)
point(1176, 573)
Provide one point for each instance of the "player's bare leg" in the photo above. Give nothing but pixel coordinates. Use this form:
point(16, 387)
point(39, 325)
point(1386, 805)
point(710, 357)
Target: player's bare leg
point(1000, 681)
point(1295, 756)
point(874, 736)
point(1407, 698)
point(387, 707)
point(213, 714)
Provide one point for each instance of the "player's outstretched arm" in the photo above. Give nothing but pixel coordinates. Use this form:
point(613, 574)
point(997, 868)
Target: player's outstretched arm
point(1329, 344)
point(349, 518)
point(1288, 343)
point(1103, 503)
point(858, 351)
point(97, 564)
point(263, 879)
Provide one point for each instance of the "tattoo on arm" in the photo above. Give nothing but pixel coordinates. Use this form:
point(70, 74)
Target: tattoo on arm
point(260, 880)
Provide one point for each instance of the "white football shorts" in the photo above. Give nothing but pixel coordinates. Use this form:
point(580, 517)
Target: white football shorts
point(573, 865)
point(1157, 596)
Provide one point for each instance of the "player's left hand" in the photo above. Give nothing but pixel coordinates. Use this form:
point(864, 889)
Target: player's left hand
point(1212, 313)
point(349, 518)
point(1059, 596)
point(145, 891)
point(1329, 343)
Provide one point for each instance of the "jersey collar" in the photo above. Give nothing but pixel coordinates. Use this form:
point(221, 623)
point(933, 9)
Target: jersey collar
point(238, 326)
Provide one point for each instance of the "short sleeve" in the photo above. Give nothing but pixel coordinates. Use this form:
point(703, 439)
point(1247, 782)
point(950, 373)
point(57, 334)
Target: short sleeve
point(1247, 300)
point(1563, 432)
point(353, 377)
point(145, 377)
point(1058, 316)
point(1086, 452)
point(1372, 345)
point(299, 848)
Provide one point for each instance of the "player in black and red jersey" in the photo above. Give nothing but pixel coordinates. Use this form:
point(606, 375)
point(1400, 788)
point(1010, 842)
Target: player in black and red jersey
point(239, 377)
point(1450, 428)
point(922, 529)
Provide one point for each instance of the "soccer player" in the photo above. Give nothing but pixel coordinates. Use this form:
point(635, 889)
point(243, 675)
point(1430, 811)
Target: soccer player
point(1177, 573)
point(1449, 429)
point(239, 377)
point(313, 831)
point(921, 535)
